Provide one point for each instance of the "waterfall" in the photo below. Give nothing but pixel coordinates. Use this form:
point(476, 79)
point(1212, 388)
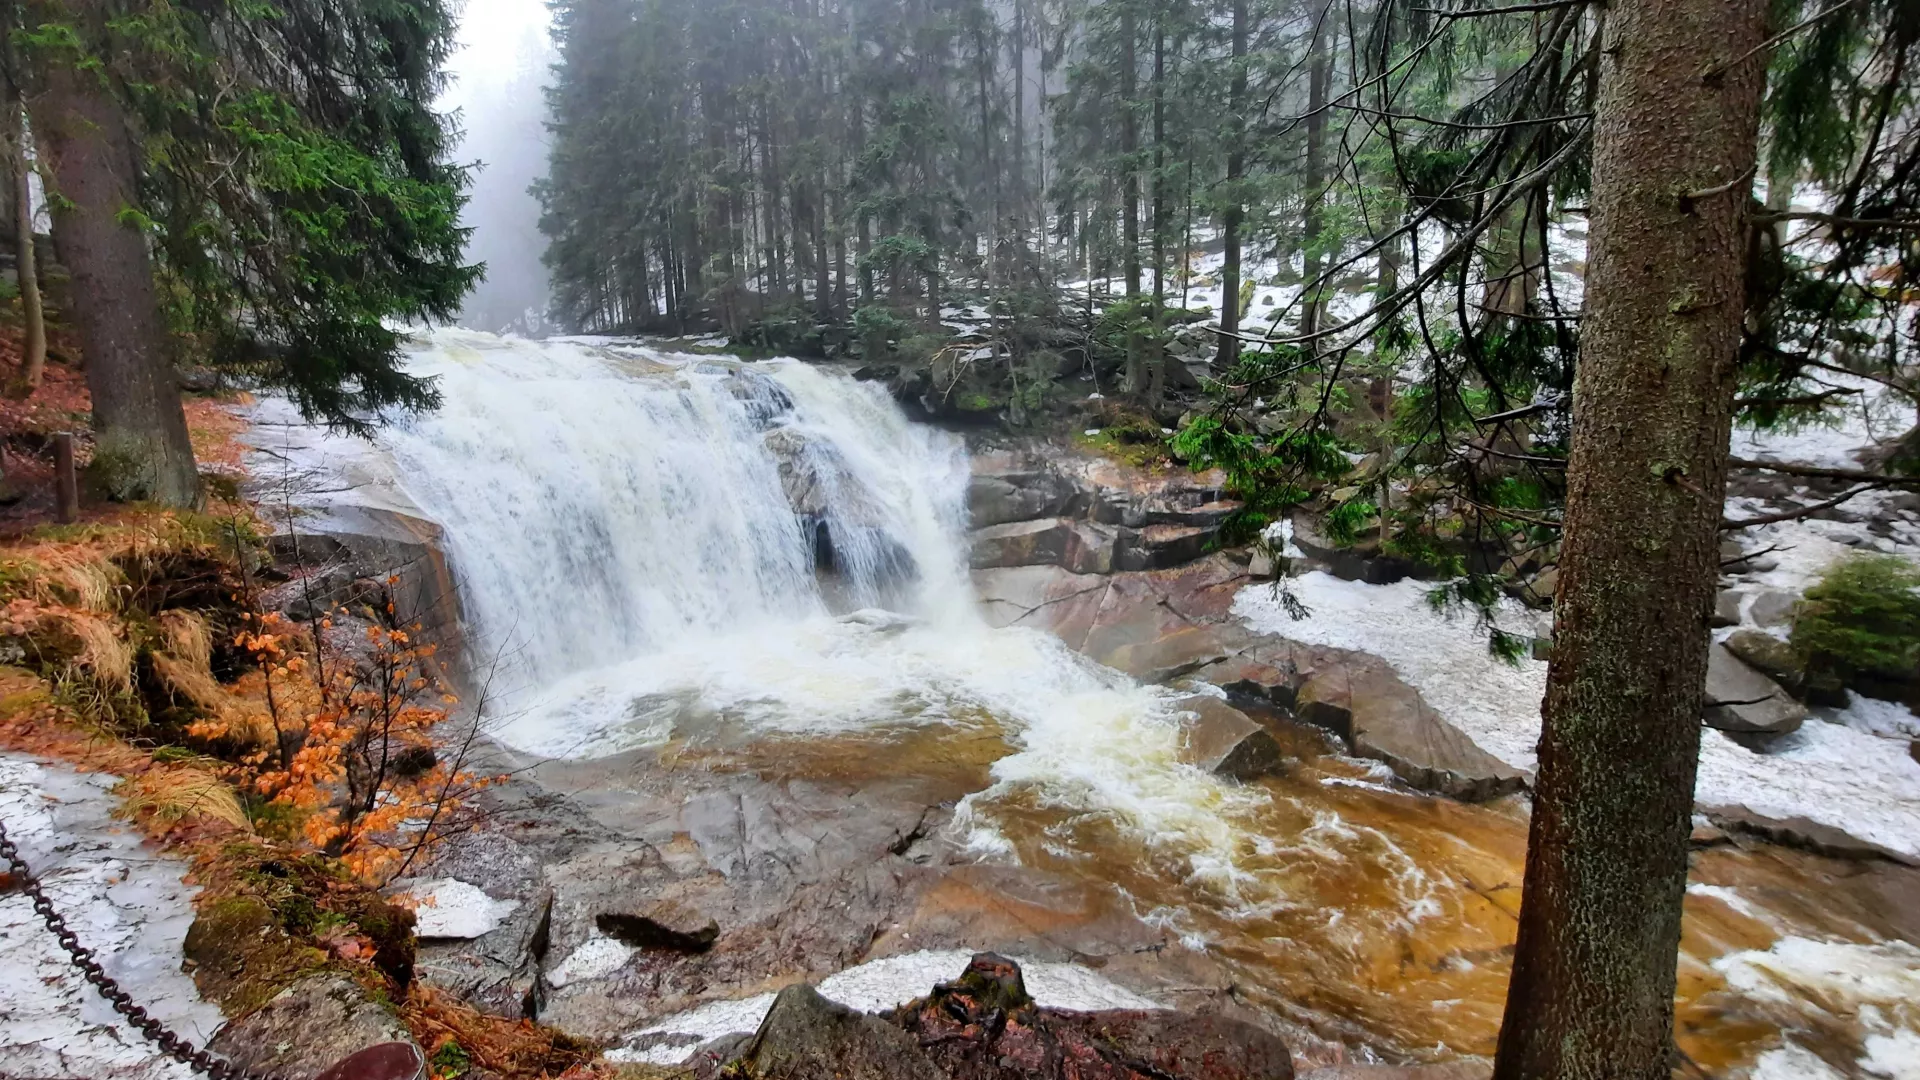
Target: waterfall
point(601, 502)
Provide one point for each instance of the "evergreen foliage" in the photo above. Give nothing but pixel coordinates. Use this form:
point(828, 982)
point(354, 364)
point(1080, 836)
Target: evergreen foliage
point(1863, 618)
point(293, 177)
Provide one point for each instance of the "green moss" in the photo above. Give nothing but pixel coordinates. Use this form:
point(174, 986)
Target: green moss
point(240, 956)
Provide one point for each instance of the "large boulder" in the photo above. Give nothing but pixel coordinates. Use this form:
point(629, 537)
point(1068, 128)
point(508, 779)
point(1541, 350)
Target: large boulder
point(1225, 741)
point(1011, 595)
point(984, 1025)
point(1077, 546)
point(1019, 494)
point(1158, 547)
point(1768, 655)
point(667, 924)
point(807, 1037)
point(307, 1027)
point(1362, 700)
point(1744, 703)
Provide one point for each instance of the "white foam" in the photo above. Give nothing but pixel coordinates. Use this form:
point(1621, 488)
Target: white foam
point(1873, 990)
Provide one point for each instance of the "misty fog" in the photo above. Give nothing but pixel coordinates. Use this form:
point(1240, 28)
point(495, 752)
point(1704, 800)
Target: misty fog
point(497, 73)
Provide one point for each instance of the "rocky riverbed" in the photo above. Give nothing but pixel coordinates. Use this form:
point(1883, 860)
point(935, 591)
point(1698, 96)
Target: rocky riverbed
point(1130, 773)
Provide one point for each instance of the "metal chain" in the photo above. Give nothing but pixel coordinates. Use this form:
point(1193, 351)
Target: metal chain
point(170, 1044)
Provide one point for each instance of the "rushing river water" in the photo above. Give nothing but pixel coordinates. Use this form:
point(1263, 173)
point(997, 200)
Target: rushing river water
point(640, 537)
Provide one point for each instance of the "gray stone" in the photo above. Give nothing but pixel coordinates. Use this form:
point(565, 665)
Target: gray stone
point(662, 924)
point(1260, 566)
point(1741, 701)
point(1361, 699)
point(1158, 547)
point(1020, 495)
point(1802, 833)
point(1726, 607)
point(307, 1027)
point(499, 972)
point(1078, 546)
point(1768, 655)
point(1225, 741)
point(807, 1037)
point(1773, 608)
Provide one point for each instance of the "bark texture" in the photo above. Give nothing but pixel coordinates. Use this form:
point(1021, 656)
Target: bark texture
point(89, 159)
point(33, 340)
point(1593, 977)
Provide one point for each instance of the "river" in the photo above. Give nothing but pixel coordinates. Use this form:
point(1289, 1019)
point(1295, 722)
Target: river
point(661, 551)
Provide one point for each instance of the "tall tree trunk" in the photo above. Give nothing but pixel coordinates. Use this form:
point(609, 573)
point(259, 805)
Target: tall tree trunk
point(141, 449)
point(33, 342)
point(1130, 146)
point(1229, 353)
point(1593, 975)
point(1136, 375)
point(1018, 47)
point(1319, 82)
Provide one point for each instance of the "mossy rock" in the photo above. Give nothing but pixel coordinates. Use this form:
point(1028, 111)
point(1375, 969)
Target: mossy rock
point(390, 928)
point(240, 956)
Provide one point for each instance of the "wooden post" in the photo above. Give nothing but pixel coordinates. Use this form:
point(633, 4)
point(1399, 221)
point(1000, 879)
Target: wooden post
point(66, 487)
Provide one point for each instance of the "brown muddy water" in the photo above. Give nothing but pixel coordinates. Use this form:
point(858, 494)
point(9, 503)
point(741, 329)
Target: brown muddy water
point(1384, 918)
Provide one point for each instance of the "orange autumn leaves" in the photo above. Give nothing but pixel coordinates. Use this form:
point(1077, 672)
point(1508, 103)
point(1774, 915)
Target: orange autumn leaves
point(351, 745)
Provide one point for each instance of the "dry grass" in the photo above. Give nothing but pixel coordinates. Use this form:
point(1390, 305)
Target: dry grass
point(66, 575)
point(164, 797)
point(511, 1048)
point(104, 657)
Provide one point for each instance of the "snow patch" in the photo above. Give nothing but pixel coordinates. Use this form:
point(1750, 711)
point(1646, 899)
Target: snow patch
point(594, 958)
point(451, 908)
point(129, 905)
point(872, 987)
point(1829, 773)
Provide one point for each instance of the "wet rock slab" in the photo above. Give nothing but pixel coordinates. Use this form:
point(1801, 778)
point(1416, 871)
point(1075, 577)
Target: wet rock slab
point(1159, 626)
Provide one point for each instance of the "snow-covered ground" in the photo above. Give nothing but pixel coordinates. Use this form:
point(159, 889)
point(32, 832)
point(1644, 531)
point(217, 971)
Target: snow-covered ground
point(1852, 772)
point(125, 902)
point(871, 987)
point(1833, 773)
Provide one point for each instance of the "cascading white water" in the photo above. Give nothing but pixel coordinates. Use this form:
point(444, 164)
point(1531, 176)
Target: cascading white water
point(600, 504)
point(642, 535)
point(637, 534)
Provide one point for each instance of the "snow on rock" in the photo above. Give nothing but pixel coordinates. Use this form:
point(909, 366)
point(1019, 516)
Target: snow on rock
point(451, 908)
point(125, 902)
point(1826, 772)
point(1494, 703)
point(592, 959)
point(873, 987)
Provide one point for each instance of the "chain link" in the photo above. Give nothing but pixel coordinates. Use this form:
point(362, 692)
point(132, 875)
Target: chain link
point(82, 958)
